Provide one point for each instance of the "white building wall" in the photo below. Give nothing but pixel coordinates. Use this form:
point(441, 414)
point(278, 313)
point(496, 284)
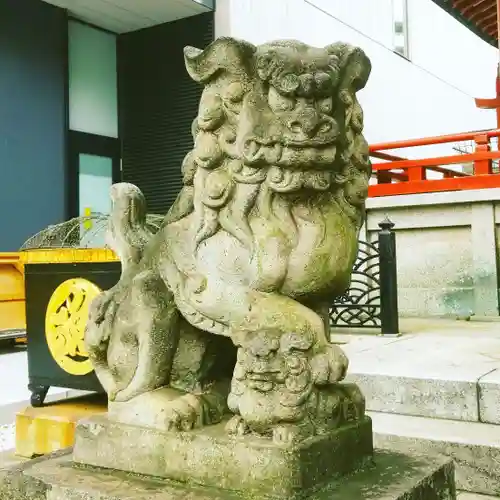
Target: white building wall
point(431, 94)
point(449, 50)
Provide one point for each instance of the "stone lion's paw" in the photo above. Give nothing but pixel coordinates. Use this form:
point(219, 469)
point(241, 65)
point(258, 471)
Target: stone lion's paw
point(99, 307)
point(184, 413)
point(236, 426)
point(338, 362)
point(329, 366)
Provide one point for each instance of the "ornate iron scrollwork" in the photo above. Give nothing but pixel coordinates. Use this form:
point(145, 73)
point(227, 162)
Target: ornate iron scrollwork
point(360, 306)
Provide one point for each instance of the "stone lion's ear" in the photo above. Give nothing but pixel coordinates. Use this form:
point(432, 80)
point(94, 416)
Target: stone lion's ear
point(354, 65)
point(224, 54)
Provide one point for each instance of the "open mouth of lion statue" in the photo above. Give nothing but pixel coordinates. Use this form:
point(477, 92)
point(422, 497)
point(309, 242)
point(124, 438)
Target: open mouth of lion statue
point(294, 154)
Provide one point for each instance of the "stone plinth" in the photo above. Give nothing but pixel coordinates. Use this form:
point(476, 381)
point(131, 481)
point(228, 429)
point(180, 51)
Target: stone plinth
point(251, 465)
point(393, 476)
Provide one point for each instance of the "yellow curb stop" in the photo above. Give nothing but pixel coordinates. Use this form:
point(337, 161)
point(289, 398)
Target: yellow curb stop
point(52, 427)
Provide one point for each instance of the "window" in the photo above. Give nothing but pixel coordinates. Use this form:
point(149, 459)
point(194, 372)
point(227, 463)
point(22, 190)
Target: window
point(400, 28)
point(93, 101)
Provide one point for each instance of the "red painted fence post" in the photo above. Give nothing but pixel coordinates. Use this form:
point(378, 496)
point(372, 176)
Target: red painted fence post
point(482, 167)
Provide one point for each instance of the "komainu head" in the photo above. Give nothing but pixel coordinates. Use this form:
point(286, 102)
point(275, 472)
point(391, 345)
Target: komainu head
point(284, 115)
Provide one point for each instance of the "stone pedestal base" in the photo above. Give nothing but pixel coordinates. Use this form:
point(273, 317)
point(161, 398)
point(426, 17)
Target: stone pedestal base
point(211, 458)
point(393, 476)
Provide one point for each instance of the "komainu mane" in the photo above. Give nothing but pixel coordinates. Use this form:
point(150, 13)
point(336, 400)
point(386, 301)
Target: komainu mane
point(260, 239)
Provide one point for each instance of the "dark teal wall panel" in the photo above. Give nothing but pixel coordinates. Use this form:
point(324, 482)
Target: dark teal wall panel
point(33, 119)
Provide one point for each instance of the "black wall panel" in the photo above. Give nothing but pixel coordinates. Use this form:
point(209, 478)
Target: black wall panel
point(158, 102)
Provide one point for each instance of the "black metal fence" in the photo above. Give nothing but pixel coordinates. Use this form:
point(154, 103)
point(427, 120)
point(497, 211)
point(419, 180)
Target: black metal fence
point(372, 299)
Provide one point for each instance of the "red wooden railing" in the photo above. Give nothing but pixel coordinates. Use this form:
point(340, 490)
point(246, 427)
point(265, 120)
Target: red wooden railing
point(397, 175)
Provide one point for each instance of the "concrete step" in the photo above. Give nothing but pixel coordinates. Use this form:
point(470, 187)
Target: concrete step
point(474, 446)
point(473, 400)
point(456, 378)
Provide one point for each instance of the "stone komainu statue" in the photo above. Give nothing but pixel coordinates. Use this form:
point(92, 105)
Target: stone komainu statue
point(225, 307)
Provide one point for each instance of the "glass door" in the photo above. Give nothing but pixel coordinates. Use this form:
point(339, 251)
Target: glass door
point(94, 166)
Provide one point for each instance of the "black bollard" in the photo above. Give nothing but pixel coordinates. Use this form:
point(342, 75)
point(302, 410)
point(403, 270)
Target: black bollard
point(389, 316)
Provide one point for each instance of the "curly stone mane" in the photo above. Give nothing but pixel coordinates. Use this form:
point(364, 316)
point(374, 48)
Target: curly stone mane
point(242, 165)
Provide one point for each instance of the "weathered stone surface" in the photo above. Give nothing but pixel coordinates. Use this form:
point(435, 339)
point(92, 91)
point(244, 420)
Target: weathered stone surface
point(209, 457)
point(474, 446)
point(282, 387)
point(161, 409)
point(393, 476)
point(489, 397)
point(14, 484)
point(262, 235)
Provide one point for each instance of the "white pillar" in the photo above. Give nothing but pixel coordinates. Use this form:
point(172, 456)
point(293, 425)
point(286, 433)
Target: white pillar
point(222, 18)
point(485, 275)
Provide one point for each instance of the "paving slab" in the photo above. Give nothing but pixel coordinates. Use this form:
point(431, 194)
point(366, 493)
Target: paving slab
point(427, 356)
point(7, 437)
point(361, 343)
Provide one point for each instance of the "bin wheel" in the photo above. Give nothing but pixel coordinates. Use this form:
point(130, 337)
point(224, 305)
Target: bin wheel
point(38, 394)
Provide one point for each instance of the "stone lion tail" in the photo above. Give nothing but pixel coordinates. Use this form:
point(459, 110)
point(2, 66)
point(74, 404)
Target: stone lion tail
point(128, 234)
